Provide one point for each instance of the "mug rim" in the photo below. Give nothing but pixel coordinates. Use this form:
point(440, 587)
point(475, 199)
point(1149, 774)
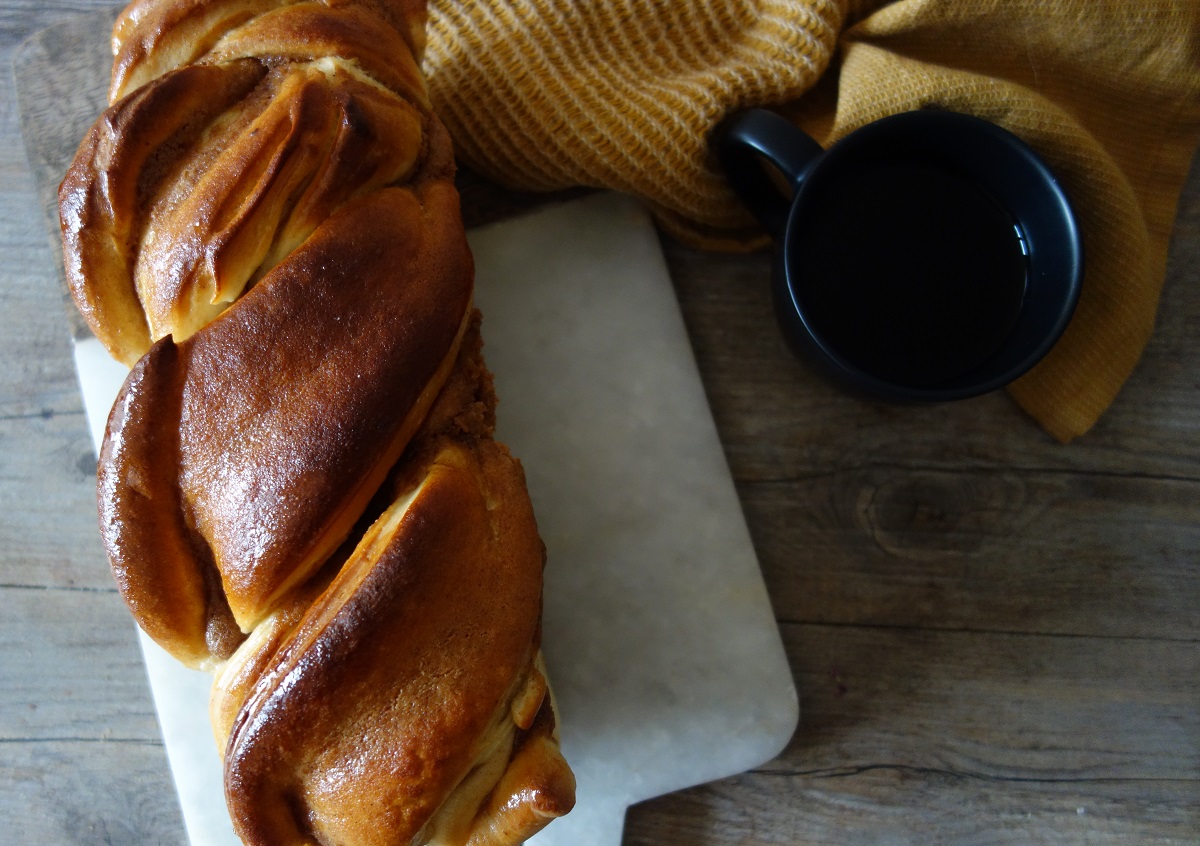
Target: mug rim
point(1055, 261)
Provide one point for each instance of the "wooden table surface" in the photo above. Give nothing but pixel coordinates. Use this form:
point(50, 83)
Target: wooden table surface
point(996, 638)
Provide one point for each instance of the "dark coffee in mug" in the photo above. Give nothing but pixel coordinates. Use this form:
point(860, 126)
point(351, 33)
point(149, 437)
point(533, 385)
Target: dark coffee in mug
point(925, 256)
point(932, 268)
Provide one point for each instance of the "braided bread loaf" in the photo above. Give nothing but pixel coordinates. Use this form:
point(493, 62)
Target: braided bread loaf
point(299, 487)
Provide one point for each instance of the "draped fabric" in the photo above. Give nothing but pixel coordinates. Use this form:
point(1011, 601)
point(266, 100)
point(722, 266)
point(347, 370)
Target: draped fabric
point(624, 94)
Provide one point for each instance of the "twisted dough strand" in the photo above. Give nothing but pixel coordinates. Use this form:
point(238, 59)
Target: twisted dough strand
point(299, 487)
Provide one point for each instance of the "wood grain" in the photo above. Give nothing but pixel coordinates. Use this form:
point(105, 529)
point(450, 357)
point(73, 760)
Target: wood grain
point(996, 637)
point(81, 757)
point(81, 790)
point(912, 736)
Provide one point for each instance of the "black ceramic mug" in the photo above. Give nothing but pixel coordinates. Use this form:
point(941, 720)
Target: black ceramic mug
point(929, 255)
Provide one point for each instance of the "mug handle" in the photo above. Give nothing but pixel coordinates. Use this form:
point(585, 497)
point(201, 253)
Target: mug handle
point(743, 141)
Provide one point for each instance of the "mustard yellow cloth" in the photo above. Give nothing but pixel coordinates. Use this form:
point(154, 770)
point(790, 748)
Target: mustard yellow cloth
point(623, 94)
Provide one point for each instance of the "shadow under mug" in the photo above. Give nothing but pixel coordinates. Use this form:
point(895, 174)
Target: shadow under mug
point(927, 256)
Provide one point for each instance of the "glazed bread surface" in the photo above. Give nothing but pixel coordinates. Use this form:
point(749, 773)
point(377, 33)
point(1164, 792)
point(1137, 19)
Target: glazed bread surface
point(299, 488)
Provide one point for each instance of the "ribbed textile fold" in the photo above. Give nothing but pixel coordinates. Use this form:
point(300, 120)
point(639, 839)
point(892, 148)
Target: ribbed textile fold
point(551, 94)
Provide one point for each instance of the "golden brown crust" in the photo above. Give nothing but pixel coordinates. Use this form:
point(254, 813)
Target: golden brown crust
point(276, 446)
point(409, 653)
point(151, 38)
point(252, 193)
point(496, 778)
point(536, 787)
point(196, 185)
point(141, 516)
point(265, 225)
point(102, 198)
